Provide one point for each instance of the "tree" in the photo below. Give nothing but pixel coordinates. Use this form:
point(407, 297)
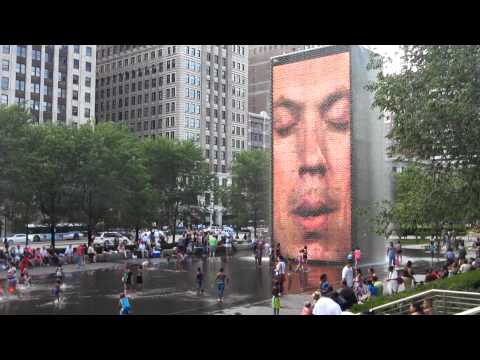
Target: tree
point(434, 99)
point(101, 172)
point(16, 196)
point(52, 166)
point(247, 196)
point(179, 176)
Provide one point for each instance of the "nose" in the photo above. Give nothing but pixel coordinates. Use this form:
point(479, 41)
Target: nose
point(312, 159)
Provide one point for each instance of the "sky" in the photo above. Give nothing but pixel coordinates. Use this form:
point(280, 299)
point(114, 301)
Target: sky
point(391, 51)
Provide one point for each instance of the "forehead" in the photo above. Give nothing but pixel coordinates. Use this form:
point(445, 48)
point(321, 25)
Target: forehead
point(313, 77)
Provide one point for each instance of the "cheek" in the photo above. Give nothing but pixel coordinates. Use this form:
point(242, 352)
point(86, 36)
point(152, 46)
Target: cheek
point(339, 160)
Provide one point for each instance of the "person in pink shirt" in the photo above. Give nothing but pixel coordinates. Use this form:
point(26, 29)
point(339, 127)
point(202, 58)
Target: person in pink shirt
point(357, 255)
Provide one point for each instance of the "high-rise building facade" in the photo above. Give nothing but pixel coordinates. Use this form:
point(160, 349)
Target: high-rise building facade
point(259, 131)
point(196, 92)
point(259, 73)
point(56, 82)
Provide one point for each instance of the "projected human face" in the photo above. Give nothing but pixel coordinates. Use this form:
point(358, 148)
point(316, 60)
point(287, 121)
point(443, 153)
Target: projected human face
point(311, 156)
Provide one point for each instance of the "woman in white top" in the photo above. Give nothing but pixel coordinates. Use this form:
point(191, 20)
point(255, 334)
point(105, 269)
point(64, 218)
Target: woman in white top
point(392, 280)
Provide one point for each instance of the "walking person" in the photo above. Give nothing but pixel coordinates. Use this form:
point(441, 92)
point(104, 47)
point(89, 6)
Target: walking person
point(398, 253)
point(199, 281)
point(276, 301)
point(212, 242)
point(305, 255)
point(221, 279)
point(391, 254)
point(280, 270)
point(347, 274)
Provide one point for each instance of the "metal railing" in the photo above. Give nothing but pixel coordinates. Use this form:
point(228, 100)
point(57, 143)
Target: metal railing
point(444, 302)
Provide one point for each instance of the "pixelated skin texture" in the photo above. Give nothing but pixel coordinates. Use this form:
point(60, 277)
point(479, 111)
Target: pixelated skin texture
point(312, 157)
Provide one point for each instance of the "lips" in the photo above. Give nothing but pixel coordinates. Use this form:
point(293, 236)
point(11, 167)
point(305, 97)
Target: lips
point(313, 216)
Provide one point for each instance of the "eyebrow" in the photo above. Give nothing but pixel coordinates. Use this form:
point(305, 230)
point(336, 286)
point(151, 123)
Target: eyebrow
point(332, 99)
point(290, 105)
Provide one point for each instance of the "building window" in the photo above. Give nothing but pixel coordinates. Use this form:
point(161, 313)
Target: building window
point(76, 64)
point(21, 51)
point(5, 65)
point(88, 67)
point(4, 99)
point(35, 88)
point(75, 79)
point(87, 97)
point(20, 68)
point(76, 49)
point(74, 110)
point(87, 113)
point(6, 49)
point(88, 51)
point(20, 85)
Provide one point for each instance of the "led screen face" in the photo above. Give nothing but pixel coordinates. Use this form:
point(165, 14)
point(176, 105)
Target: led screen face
point(311, 156)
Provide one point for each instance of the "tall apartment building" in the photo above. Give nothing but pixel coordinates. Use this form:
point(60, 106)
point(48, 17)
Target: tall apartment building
point(56, 82)
point(196, 92)
point(259, 131)
point(259, 73)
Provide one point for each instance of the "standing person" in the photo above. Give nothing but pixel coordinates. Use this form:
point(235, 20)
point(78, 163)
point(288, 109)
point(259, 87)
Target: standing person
point(450, 255)
point(416, 308)
point(462, 252)
point(408, 275)
point(228, 246)
point(57, 291)
point(221, 279)
point(12, 279)
point(300, 260)
point(59, 274)
point(357, 256)
point(69, 253)
point(305, 255)
point(124, 304)
point(276, 301)
point(392, 280)
point(199, 280)
point(391, 254)
point(212, 242)
point(398, 253)
point(324, 284)
point(258, 249)
point(280, 273)
point(91, 253)
point(347, 274)
point(126, 277)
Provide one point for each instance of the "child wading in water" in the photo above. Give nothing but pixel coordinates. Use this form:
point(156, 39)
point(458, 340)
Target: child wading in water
point(57, 291)
point(124, 304)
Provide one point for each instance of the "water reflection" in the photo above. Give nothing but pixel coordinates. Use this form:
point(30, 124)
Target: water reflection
point(166, 288)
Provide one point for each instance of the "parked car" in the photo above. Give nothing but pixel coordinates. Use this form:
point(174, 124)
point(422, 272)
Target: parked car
point(111, 239)
point(17, 239)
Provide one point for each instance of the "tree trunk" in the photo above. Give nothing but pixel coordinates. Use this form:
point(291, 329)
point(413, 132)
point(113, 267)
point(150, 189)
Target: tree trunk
point(26, 234)
point(175, 222)
point(52, 234)
point(255, 225)
point(89, 234)
point(137, 229)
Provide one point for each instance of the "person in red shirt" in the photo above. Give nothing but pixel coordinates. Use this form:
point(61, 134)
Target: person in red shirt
point(24, 264)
